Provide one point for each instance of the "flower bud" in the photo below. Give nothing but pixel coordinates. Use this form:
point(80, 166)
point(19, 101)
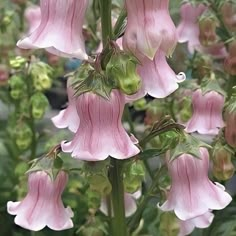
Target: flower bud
point(228, 11)
point(100, 184)
point(133, 176)
point(41, 73)
point(186, 111)
point(223, 168)
point(154, 112)
point(39, 104)
point(17, 62)
point(140, 104)
point(23, 136)
point(169, 224)
point(207, 27)
point(18, 86)
point(122, 69)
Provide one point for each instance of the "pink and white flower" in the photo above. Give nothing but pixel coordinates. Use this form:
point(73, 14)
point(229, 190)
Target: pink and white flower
point(188, 31)
point(42, 205)
point(68, 117)
point(100, 133)
point(60, 30)
point(149, 27)
point(192, 194)
point(207, 113)
point(202, 221)
point(158, 79)
point(33, 17)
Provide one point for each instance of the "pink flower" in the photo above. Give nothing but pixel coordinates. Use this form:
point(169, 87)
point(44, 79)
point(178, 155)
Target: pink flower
point(158, 79)
point(129, 201)
point(149, 27)
point(188, 29)
point(42, 206)
point(207, 113)
point(60, 30)
point(33, 17)
point(192, 193)
point(100, 133)
point(202, 221)
point(68, 117)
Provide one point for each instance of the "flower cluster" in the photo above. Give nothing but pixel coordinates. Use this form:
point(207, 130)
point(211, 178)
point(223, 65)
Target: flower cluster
point(98, 93)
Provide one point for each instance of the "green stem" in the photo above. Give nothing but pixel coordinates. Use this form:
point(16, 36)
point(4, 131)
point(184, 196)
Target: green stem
point(31, 118)
point(105, 7)
point(128, 118)
point(134, 221)
point(117, 199)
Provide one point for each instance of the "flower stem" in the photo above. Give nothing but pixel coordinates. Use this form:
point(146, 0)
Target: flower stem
point(118, 223)
point(105, 8)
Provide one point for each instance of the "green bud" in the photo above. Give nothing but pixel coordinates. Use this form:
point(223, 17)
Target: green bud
point(133, 176)
point(39, 104)
point(41, 73)
point(94, 227)
point(186, 111)
point(169, 224)
point(17, 62)
point(122, 69)
point(23, 136)
point(100, 184)
point(42, 82)
point(140, 104)
point(223, 168)
point(18, 86)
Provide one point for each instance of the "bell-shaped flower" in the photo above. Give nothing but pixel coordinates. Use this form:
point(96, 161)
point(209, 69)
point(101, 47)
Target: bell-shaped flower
point(158, 79)
point(188, 29)
point(60, 29)
point(207, 113)
point(192, 193)
point(100, 133)
point(149, 27)
point(129, 201)
point(202, 221)
point(42, 205)
point(68, 117)
point(33, 17)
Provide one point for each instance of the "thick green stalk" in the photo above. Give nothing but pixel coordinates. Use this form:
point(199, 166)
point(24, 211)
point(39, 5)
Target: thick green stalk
point(105, 8)
point(118, 223)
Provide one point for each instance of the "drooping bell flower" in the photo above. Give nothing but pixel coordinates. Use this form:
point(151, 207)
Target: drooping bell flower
point(188, 29)
point(207, 113)
point(149, 27)
point(228, 11)
point(60, 30)
point(100, 133)
point(189, 175)
point(68, 117)
point(158, 79)
point(42, 205)
point(202, 221)
point(33, 17)
point(129, 201)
